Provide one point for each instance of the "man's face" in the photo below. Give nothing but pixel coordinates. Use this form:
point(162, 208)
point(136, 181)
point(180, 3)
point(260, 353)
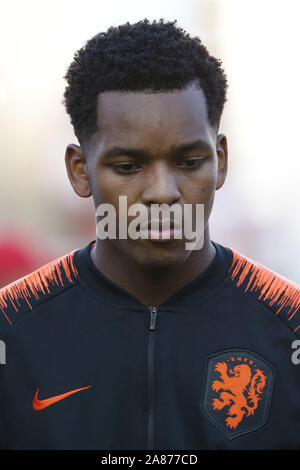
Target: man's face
point(154, 166)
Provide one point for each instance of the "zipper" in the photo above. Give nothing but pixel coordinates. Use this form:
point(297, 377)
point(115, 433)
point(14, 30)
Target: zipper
point(152, 326)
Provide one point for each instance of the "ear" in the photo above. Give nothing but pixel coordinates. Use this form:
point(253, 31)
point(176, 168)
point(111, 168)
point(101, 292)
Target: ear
point(222, 153)
point(77, 170)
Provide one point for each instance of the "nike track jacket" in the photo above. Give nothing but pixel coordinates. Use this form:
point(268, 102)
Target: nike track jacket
point(88, 366)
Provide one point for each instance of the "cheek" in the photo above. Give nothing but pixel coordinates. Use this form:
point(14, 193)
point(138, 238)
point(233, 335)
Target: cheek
point(209, 187)
point(108, 187)
point(200, 189)
point(105, 186)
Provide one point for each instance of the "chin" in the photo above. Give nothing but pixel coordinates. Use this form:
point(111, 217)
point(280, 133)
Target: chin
point(161, 258)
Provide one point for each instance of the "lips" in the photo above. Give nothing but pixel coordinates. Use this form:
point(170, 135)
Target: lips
point(160, 225)
point(162, 231)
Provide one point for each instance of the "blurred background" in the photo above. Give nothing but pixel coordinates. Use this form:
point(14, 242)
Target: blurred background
point(255, 213)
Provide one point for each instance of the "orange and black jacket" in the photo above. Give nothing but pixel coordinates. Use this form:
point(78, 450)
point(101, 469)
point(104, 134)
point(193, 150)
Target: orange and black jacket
point(88, 366)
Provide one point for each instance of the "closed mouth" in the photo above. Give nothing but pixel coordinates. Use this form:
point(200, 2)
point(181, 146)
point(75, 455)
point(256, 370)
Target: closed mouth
point(161, 231)
point(161, 226)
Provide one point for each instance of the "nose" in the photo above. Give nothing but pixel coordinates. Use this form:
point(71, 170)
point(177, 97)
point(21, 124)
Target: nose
point(161, 187)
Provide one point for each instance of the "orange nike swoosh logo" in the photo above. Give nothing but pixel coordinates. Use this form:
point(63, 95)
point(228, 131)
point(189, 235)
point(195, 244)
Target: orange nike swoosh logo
point(41, 404)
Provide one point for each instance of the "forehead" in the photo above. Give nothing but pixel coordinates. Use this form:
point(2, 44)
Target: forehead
point(154, 119)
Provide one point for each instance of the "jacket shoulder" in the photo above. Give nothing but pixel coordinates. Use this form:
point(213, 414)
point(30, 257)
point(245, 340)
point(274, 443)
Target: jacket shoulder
point(271, 289)
point(24, 294)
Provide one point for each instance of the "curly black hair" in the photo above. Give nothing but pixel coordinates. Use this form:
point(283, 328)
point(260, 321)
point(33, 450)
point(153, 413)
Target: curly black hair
point(143, 56)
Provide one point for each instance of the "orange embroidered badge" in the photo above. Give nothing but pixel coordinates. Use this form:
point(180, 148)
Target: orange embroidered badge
point(238, 391)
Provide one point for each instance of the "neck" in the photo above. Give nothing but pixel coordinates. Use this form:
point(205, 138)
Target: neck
point(151, 286)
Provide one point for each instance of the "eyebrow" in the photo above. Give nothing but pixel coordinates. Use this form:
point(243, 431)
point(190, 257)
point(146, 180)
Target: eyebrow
point(177, 149)
point(186, 147)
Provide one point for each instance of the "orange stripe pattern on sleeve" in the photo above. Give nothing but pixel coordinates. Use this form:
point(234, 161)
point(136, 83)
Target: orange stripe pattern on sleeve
point(30, 288)
point(282, 295)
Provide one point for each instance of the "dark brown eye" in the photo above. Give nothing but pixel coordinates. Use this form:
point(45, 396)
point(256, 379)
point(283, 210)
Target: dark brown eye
point(125, 167)
point(191, 163)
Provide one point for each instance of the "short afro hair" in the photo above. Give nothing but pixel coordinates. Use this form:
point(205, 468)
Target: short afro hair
point(144, 56)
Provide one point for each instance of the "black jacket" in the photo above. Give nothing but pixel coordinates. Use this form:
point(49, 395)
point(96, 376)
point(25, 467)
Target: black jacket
point(88, 366)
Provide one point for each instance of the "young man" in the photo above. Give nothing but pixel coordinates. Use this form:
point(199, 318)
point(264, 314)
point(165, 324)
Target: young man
point(140, 343)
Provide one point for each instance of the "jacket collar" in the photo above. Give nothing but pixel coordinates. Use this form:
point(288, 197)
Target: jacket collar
point(194, 293)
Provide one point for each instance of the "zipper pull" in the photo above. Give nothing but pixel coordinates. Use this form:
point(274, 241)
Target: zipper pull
point(153, 314)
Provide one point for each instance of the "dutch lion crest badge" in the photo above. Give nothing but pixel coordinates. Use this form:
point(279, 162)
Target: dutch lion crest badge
point(238, 391)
